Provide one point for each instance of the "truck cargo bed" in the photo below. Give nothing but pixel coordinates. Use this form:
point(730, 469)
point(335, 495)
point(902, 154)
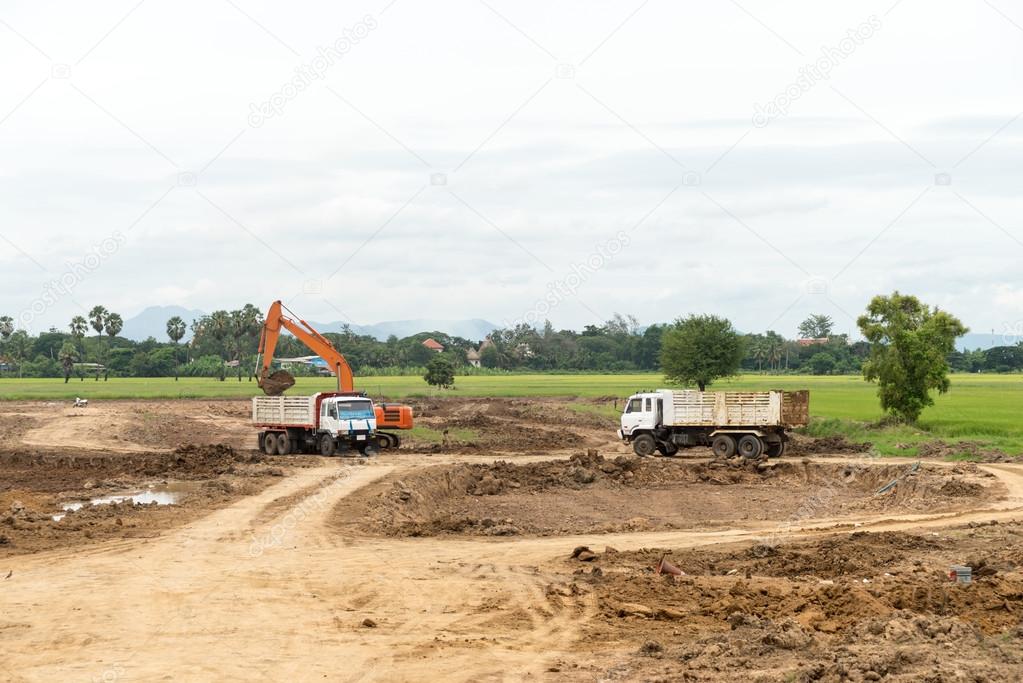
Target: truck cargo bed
point(296, 411)
point(737, 408)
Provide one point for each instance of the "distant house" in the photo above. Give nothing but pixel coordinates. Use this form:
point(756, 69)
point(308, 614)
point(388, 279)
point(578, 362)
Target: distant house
point(314, 362)
point(812, 342)
point(433, 345)
point(472, 357)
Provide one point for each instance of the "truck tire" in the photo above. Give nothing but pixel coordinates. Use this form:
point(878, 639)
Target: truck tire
point(750, 447)
point(270, 443)
point(668, 450)
point(283, 443)
point(723, 446)
point(775, 449)
point(385, 441)
point(369, 449)
point(327, 445)
point(644, 445)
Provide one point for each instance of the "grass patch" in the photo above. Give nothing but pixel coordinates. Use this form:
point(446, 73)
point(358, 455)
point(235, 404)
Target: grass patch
point(983, 408)
point(430, 435)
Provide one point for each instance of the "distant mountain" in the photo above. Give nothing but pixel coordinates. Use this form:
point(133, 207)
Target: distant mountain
point(972, 341)
point(152, 322)
point(475, 329)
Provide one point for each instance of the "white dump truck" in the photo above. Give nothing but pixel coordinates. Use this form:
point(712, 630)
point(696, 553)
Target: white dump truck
point(326, 422)
point(750, 423)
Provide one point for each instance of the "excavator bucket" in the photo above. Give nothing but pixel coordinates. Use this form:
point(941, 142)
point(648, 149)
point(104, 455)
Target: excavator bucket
point(277, 383)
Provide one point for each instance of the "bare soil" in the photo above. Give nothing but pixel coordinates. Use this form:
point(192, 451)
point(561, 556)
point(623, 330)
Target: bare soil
point(588, 493)
point(862, 606)
point(523, 552)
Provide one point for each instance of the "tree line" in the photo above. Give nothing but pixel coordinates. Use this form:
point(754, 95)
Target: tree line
point(224, 343)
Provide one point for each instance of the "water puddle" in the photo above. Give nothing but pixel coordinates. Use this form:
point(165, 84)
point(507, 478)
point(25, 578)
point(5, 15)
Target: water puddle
point(168, 494)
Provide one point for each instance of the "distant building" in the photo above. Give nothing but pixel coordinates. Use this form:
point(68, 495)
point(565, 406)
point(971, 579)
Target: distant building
point(472, 357)
point(433, 345)
point(314, 362)
point(812, 342)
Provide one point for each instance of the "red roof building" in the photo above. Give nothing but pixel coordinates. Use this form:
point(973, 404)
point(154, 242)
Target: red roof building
point(433, 345)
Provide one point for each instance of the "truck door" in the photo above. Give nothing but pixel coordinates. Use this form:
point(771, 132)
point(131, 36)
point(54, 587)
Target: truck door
point(658, 412)
point(328, 417)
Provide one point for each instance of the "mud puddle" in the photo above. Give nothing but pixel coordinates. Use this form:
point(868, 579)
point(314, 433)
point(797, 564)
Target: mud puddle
point(165, 494)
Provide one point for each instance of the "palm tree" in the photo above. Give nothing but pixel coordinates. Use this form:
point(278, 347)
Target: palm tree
point(98, 319)
point(79, 326)
point(774, 351)
point(113, 323)
point(244, 322)
point(218, 325)
point(6, 327)
point(67, 356)
point(19, 345)
point(759, 353)
point(175, 330)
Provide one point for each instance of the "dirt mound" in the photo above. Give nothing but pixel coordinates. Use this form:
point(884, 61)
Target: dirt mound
point(589, 493)
point(886, 608)
point(808, 445)
point(973, 450)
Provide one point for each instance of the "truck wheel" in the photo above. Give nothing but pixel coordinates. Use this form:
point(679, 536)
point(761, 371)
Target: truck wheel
point(368, 449)
point(270, 443)
point(283, 443)
point(668, 449)
point(723, 446)
point(327, 445)
point(750, 447)
point(385, 441)
point(644, 445)
point(776, 449)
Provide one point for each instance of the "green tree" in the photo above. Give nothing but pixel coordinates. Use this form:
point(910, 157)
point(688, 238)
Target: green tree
point(175, 331)
point(219, 326)
point(910, 345)
point(700, 349)
point(113, 324)
point(822, 363)
point(816, 326)
point(6, 327)
point(79, 326)
point(98, 319)
point(19, 346)
point(440, 372)
point(67, 356)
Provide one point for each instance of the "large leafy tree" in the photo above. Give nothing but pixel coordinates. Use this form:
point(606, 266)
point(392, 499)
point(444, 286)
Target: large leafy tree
point(700, 349)
point(816, 326)
point(6, 327)
point(910, 345)
point(440, 372)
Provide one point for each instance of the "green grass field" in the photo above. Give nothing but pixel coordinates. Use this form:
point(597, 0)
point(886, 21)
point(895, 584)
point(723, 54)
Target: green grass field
point(985, 408)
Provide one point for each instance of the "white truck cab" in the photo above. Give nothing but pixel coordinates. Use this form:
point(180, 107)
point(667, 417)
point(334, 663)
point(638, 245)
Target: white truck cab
point(348, 417)
point(642, 412)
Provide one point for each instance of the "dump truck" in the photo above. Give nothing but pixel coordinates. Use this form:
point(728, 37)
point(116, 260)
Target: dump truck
point(747, 423)
point(326, 422)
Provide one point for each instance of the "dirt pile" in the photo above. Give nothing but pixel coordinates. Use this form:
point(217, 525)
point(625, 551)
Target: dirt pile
point(974, 450)
point(591, 493)
point(808, 445)
point(857, 607)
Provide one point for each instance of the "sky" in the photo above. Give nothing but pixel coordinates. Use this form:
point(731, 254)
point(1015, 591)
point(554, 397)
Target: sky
point(512, 161)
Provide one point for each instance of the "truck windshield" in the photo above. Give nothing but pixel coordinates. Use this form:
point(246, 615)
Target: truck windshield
point(355, 410)
point(634, 406)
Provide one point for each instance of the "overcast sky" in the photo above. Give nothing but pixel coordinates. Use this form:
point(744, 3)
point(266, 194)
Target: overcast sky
point(371, 161)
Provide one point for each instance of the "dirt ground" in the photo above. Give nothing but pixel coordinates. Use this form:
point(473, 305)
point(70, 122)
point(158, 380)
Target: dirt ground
point(519, 546)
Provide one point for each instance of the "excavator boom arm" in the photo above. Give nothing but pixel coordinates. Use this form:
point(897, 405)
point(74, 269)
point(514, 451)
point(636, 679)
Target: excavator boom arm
point(316, 342)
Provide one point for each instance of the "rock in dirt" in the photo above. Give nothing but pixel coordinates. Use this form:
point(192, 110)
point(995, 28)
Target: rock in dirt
point(584, 554)
point(369, 623)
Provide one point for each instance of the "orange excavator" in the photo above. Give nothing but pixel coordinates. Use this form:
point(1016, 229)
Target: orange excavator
point(390, 416)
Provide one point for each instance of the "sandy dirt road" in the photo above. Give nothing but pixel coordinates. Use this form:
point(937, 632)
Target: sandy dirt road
point(266, 589)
